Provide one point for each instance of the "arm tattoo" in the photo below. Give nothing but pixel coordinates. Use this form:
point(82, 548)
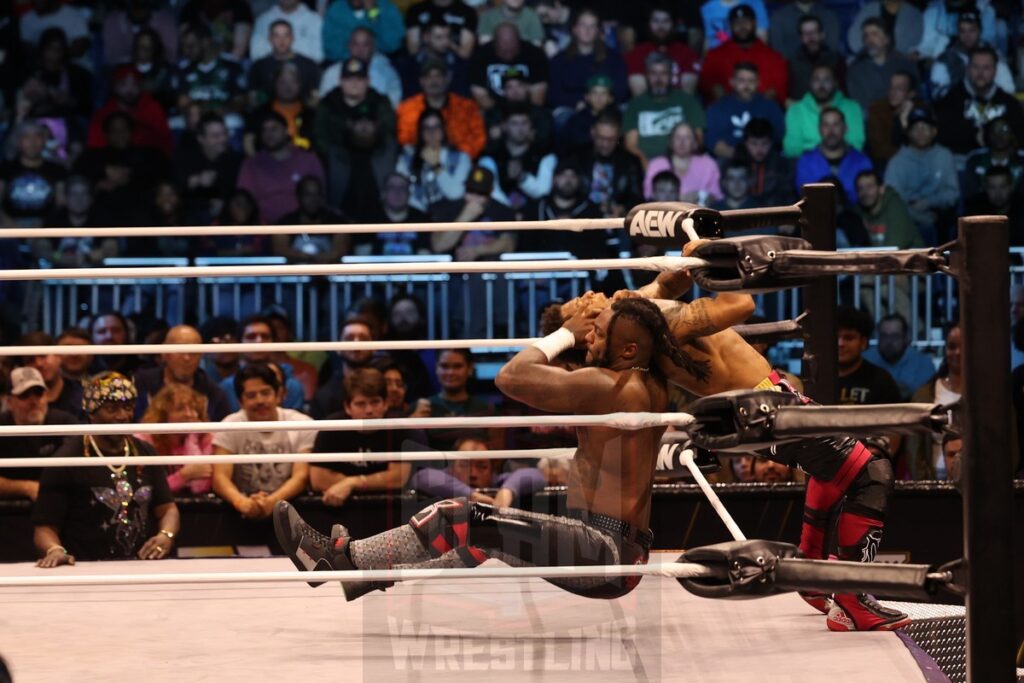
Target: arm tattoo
point(682, 321)
point(694, 320)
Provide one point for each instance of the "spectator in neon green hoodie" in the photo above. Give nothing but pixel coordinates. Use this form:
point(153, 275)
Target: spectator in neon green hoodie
point(802, 116)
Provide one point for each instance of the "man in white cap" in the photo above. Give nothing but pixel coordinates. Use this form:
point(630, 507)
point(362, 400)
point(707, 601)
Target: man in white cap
point(27, 405)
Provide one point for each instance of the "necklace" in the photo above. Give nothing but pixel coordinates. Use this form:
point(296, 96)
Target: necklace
point(639, 369)
point(115, 470)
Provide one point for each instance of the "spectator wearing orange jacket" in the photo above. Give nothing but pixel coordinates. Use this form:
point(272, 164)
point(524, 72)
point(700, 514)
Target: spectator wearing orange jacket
point(462, 119)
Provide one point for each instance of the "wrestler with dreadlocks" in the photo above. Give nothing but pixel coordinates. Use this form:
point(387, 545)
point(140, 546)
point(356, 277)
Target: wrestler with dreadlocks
point(849, 487)
point(610, 480)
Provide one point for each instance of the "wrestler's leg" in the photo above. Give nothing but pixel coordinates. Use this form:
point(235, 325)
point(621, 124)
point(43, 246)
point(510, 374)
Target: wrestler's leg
point(833, 466)
point(457, 533)
point(845, 475)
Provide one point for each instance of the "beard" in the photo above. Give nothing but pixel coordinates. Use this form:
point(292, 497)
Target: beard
point(35, 418)
point(600, 362)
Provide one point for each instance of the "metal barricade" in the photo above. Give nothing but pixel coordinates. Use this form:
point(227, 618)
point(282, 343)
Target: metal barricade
point(927, 301)
point(65, 302)
point(431, 289)
point(238, 297)
point(525, 291)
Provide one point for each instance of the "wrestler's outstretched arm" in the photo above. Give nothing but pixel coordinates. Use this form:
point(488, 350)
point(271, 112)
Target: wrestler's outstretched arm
point(531, 379)
point(703, 316)
point(670, 284)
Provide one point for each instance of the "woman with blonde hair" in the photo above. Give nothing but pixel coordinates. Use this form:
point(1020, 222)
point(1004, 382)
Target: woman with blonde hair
point(180, 403)
point(697, 172)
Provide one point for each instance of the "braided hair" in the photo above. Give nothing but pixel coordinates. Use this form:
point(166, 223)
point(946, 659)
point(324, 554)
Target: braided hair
point(649, 316)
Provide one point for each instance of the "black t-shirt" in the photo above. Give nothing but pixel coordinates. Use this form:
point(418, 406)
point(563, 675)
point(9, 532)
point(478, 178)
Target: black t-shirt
point(30, 192)
point(868, 385)
point(85, 504)
point(219, 15)
point(76, 84)
point(130, 203)
point(457, 15)
point(263, 71)
point(189, 160)
point(585, 245)
point(31, 446)
point(394, 243)
point(383, 441)
point(447, 209)
point(474, 406)
point(486, 68)
point(70, 400)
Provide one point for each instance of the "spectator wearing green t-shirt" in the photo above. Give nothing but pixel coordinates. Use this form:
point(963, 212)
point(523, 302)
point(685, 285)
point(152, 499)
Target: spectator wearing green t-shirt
point(515, 12)
point(650, 117)
point(887, 223)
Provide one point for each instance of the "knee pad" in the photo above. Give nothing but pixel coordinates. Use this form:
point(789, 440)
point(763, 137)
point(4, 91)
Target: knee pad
point(823, 495)
point(870, 491)
point(442, 526)
point(471, 529)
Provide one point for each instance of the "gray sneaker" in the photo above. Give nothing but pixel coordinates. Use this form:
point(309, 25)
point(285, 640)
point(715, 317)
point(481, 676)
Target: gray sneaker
point(308, 549)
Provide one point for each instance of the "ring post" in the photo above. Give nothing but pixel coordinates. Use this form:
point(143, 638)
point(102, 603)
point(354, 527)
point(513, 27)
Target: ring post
point(982, 265)
point(818, 365)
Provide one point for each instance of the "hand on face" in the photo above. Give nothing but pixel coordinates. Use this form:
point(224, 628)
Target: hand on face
point(582, 323)
point(587, 301)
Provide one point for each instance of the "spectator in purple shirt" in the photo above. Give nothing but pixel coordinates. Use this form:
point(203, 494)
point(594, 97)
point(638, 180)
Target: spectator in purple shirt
point(271, 174)
point(464, 477)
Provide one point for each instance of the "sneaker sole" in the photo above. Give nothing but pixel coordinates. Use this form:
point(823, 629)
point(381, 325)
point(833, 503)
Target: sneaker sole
point(839, 627)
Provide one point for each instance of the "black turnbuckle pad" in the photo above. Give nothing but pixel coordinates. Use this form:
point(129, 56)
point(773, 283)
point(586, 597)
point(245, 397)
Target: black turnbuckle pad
point(746, 263)
point(744, 569)
point(740, 421)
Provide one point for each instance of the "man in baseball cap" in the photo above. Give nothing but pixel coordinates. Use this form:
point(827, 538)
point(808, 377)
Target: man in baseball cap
point(950, 66)
point(354, 68)
point(27, 405)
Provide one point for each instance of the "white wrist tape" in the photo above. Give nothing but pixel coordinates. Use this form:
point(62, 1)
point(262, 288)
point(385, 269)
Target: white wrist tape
point(556, 342)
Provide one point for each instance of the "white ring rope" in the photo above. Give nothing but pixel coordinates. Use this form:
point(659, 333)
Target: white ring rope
point(671, 570)
point(621, 420)
point(657, 263)
point(567, 224)
point(312, 458)
point(687, 457)
point(249, 347)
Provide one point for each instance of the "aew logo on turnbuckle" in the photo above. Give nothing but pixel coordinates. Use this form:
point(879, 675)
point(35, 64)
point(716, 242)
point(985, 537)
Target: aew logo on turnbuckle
point(654, 223)
point(670, 456)
point(660, 224)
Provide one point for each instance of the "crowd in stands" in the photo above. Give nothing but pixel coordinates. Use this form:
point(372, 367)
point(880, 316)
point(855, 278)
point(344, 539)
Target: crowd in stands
point(236, 112)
